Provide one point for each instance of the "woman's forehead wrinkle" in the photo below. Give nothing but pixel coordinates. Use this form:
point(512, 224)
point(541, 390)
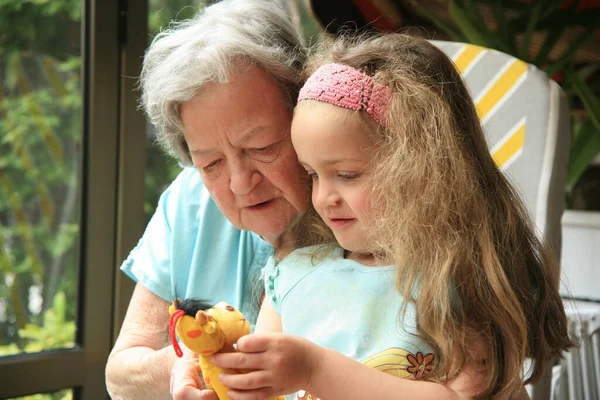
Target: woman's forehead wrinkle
point(235, 142)
point(248, 136)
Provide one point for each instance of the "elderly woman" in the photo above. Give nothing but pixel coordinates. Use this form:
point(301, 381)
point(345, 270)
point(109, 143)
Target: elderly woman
point(220, 90)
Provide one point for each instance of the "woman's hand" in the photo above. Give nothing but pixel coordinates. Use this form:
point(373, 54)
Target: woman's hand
point(280, 364)
point(186, 379)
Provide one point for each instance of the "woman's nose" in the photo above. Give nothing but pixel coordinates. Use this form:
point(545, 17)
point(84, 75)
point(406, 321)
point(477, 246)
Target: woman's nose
point(244, 177)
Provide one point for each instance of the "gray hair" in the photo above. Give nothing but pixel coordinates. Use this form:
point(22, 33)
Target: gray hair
point(211, 47)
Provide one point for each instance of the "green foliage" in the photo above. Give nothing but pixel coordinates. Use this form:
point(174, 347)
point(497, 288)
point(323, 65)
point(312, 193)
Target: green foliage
point(55, 332)
point(34, 25)
point(40, 154)
point(62, 395)
point(162, 13)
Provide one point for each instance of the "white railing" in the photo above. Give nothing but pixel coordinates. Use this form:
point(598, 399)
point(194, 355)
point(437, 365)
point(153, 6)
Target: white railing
point(577, 377)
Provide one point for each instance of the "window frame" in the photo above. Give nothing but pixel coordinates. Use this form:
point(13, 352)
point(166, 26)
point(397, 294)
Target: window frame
point(111, 213)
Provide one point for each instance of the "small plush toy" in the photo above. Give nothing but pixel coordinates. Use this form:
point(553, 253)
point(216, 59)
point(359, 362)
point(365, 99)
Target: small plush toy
point(207, 330)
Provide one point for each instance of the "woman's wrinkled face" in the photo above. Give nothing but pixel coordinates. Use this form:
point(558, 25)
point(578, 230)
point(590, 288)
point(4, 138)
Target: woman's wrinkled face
point(238, 134)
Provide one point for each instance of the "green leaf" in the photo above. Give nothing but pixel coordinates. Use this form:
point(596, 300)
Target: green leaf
point(569, 54)
point(549, 42)
point(585, 147)
point(492, 38)
point(504, 30)
point(59, 306)
point(559, 18)
point(468, 27)
point(552, 37)
point(531, 25)
point(588, 98)
point(587, 71)
point(457, 37)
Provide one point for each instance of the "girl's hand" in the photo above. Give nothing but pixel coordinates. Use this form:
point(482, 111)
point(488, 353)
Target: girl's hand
point(186, 379)
point(280, 364)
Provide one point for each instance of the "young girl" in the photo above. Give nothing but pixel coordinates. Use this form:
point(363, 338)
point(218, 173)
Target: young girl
point(437, 274)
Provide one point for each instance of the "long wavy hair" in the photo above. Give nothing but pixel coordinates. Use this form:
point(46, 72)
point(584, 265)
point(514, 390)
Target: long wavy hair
point(466, 251)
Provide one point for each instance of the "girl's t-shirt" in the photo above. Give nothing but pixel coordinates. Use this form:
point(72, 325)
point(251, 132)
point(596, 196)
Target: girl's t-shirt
point(348, 307)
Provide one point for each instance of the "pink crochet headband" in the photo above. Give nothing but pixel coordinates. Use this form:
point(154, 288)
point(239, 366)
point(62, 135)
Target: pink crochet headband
point(347, 87)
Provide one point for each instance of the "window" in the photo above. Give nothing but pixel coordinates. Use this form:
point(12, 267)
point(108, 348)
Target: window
point(60, 147)
point(40, 175)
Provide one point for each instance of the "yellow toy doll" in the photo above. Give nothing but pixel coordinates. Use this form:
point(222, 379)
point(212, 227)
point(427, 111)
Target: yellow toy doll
point(207, 330)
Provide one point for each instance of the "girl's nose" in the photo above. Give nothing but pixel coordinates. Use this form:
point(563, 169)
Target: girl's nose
point(327, 197)
point(334, 199)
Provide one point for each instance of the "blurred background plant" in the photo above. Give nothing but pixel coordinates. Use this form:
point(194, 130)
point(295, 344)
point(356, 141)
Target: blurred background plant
point(40, 164)
point(40, 154)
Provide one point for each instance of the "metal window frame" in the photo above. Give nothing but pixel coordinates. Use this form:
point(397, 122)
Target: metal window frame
point(113, 42)
point(131, 220)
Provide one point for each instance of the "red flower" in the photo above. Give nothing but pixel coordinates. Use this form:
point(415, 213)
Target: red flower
point(421, 365)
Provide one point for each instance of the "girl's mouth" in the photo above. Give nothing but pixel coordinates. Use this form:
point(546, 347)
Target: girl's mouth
point(339, 223)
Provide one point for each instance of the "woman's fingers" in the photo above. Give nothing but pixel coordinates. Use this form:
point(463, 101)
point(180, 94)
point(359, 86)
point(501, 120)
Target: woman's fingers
point(186, 379)
point(190, 393)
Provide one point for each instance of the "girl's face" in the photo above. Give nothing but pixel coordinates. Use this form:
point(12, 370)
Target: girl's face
point(334, 148)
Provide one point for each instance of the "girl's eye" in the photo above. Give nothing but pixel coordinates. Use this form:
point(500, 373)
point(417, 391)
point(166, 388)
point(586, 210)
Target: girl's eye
point(313, 176)
point(348, 177)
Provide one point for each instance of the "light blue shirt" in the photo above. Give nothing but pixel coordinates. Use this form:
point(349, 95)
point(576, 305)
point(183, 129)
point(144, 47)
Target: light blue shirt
point(189, 249)
point(348, 307)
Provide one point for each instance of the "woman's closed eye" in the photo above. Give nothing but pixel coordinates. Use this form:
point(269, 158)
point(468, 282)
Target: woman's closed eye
point(266, 153)
point(210, 166)
point(210, 170)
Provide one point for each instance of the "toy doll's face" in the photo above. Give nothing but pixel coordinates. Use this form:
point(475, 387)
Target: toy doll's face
point(336, 150)
point(231, 321)
point(201, 334)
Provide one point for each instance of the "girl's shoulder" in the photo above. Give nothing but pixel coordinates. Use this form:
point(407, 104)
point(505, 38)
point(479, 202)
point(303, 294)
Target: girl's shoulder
point(314, 255)
point(281, 277)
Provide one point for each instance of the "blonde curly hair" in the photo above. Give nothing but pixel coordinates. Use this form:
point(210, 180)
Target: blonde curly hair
point(466, 251)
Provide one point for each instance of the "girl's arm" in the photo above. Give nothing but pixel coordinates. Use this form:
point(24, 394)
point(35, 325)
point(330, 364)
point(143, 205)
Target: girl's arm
point(287, 363)
point(268, 320)
point(284, 363)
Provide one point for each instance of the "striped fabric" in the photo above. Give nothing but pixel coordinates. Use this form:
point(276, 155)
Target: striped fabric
point(526, 123)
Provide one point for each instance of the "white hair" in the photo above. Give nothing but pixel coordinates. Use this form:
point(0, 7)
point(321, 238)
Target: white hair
point(216, 43)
